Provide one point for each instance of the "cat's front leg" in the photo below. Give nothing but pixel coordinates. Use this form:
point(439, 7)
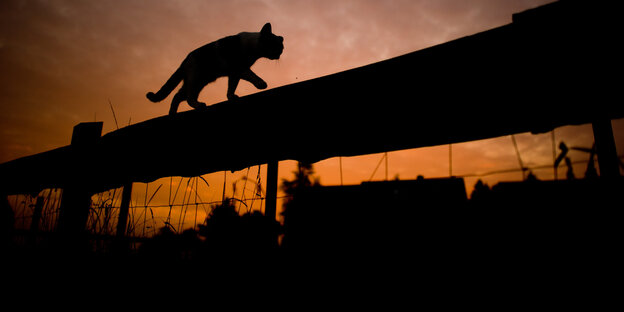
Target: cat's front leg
point(254, 79)
point(232, 84)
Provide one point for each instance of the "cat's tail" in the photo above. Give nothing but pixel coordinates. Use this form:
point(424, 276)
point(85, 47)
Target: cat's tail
point(166, 89)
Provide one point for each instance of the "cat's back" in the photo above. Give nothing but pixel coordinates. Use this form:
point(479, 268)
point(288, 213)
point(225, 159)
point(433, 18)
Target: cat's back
point(223, 46)
point(231, 53)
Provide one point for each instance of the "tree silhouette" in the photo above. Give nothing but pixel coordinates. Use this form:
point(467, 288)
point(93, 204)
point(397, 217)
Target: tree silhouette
point(167, 246)
point(295, 205)
point(303, 178)
point(230, 235)
point(222, 228)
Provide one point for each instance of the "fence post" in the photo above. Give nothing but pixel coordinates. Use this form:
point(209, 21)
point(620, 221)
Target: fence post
point(270, 208)
point(605, 149)
point(36, 218)
point(76, 200)
point(122, 221)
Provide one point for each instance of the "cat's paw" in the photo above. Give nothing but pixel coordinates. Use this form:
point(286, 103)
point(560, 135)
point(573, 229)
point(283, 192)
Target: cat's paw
point(197, 105)
point(261, 85)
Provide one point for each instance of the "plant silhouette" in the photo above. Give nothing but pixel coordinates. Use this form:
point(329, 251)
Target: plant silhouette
point(296, 205)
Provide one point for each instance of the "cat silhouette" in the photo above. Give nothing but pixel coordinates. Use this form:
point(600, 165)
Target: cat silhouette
point(230, 57)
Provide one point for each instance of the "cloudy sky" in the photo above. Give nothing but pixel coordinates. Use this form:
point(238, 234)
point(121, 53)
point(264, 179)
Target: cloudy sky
point(62, 62)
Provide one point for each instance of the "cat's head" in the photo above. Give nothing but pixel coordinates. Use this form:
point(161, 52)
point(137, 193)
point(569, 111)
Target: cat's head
point(270, 45)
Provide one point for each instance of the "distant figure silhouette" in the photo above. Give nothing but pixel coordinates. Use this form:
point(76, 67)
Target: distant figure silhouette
point(230, 56)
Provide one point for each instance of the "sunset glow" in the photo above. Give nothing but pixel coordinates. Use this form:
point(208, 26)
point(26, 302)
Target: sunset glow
point(66, 62)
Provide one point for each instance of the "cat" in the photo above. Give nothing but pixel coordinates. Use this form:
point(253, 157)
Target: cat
point(231, 56)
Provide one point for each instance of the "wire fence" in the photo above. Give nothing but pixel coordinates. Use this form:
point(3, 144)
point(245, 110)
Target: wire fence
point(184, 209)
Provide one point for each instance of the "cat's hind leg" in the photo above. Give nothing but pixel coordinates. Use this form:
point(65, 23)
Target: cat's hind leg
point(175, 103)
point(194, 82)
point(192, 93)
point(232, 84)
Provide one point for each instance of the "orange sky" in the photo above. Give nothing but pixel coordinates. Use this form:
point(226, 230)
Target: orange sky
point(62, 61)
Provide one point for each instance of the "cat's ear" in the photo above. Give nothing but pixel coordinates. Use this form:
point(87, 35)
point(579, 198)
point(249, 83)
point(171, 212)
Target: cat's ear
point(266, 29)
